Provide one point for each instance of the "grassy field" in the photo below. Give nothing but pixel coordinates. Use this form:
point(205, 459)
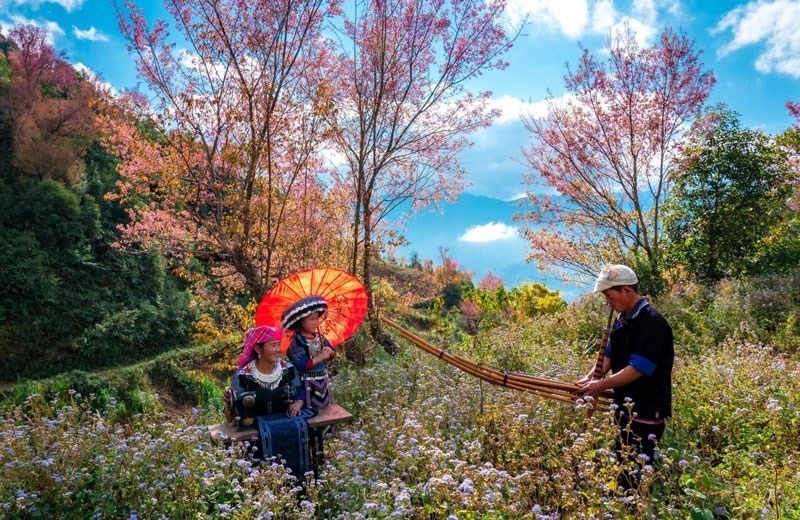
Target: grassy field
point(428, 441)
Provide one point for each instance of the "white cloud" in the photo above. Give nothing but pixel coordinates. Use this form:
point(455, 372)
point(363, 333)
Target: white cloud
point(333, 157)
point(775, 24)
point(643, 32)
point(191, 60)
point(489, 233)
point(645, 9)
point(603, 16)
point(83, 69)
point(569, 16)
point(576, 18)
point(513, 109)
point(188, 59)
point(68, 5)
point(95, 79)
point(52, 29)
point(90, 34)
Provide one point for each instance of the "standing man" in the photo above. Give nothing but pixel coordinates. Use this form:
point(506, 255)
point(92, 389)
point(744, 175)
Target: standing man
point(640, 355)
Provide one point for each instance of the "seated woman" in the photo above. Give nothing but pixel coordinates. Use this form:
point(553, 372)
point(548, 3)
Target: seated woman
point(266, 392)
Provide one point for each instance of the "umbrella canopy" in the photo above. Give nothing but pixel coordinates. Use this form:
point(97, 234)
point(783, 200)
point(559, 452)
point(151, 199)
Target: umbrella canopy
point(345, 295)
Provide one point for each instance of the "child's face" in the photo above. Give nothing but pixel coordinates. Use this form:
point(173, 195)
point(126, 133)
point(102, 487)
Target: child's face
point(310, 323)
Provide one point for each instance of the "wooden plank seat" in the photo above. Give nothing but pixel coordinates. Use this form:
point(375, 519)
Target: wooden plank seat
point(330, 415)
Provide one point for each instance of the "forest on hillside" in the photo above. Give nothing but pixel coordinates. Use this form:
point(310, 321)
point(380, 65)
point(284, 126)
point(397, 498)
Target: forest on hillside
point(139, 229)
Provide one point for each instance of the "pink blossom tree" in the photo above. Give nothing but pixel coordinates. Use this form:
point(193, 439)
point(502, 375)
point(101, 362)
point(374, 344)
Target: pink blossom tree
point(490, 282)
point(606, 154)
point(794, 110)
point(49, 108)
point(216, 167)
point(404, 111)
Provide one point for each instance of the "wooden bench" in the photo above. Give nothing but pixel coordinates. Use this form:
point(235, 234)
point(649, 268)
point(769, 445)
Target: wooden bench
point(333, 414)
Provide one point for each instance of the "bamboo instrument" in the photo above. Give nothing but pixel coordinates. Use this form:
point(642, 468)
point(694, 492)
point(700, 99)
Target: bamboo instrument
point(490, 376)
point(602, 344)
point(547, 388)
point(601, 358)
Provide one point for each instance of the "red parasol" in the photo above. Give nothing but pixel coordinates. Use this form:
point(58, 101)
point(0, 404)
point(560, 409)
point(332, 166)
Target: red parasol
point(345, 294)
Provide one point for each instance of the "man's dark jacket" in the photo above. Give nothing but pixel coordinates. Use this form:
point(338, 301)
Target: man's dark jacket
point(648, 336)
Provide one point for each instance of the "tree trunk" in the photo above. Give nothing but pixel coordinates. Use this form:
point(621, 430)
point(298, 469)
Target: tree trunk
point(357, 221)
point(366, 265)
point(375, 329)
point(356, 226)
point(252, 280)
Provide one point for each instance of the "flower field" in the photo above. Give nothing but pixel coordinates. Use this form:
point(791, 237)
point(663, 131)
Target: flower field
point(428, 442)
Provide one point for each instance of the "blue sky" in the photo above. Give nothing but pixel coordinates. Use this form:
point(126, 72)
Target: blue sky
point(753, 47)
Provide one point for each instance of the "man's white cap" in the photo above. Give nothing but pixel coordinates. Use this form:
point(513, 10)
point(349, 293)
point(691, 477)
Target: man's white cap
point(613, 276)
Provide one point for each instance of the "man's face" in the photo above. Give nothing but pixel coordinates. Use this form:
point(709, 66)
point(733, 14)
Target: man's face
point(617, 298)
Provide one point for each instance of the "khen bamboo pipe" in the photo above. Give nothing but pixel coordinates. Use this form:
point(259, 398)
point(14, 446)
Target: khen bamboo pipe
point(500, 378)
point(471, 366)
point(556, 390)
point(496, 376)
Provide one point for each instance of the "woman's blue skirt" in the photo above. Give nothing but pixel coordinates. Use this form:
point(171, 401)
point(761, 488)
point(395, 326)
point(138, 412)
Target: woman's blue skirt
point(286, 438)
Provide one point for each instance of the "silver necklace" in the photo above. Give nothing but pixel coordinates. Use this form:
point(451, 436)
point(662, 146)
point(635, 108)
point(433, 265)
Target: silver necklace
point(267, 380)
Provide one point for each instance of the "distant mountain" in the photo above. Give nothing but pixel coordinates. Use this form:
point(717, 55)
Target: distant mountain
point(430, 230)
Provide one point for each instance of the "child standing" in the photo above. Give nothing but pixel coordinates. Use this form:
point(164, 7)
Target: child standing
point(309, 350)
